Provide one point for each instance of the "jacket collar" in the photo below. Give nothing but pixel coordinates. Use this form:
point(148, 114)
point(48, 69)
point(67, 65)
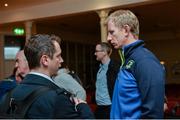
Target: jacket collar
point(38, 80)
point(128, 49)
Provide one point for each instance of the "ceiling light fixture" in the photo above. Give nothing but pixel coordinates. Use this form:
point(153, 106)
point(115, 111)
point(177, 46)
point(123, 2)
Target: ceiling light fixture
point(162, 62)
point(5, 4)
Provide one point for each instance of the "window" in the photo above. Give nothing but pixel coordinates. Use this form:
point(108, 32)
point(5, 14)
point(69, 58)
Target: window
point(10, 52)
point(12, 44)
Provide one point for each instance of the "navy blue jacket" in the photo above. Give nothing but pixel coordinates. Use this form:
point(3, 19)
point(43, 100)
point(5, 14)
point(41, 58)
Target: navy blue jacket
point(45, 106)
point(139, 88)
point(7, 84)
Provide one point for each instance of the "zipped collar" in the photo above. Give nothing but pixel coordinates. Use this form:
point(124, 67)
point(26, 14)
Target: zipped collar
point(126, 50)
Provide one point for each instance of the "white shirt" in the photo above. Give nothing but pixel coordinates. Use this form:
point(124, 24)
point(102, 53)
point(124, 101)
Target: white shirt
point(42, 75)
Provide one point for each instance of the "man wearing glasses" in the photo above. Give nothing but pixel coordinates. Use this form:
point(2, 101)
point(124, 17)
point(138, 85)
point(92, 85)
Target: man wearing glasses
point(105, 80)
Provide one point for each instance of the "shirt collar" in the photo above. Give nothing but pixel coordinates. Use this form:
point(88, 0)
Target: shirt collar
point(105, 64)
point(42, 75)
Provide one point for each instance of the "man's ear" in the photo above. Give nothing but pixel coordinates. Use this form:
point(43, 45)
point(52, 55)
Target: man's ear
point(127, 29)
point(44, 60)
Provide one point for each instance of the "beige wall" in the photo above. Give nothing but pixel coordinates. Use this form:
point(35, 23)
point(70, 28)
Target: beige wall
point(6, 67)
point(1, 57)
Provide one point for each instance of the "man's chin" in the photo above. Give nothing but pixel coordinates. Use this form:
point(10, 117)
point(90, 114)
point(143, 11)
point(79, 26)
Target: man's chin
point(55, 73)
point(116, 47)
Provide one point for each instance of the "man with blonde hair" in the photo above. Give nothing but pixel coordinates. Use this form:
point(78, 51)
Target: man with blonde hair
point(139, 88)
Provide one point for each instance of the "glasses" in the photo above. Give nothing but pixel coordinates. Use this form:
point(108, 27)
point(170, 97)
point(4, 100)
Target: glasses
point(98, 50)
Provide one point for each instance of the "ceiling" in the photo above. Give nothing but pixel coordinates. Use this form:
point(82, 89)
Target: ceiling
point(161, 16)
point(154, 17)
point(14, 4)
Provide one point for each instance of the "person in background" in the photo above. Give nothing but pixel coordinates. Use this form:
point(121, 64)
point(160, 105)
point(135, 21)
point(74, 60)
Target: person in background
point(165, 103)
point(21, 65)
point(21, 68)
point(139, 89)
point(65, 80)
point(105, 80)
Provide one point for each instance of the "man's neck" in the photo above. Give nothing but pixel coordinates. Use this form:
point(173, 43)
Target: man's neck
point(105, 59)
point(130, 39)
point(38, 70)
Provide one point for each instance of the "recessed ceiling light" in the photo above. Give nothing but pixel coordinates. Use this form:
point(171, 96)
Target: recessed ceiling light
point(5, 4)
point(162, 62)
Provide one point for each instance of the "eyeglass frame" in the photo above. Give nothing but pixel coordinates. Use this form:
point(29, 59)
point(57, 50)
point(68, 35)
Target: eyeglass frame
point(99, 51)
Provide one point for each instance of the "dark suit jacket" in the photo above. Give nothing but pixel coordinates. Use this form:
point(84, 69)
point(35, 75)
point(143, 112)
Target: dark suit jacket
point(45, 106)
point(112, 72)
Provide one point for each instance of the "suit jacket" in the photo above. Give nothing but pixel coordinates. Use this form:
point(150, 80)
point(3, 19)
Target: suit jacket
point(113, 69)
point(45, 105)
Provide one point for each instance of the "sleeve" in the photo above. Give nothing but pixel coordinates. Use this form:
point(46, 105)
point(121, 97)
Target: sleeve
point(85, 111)
point(66, 81)
point(65, 109)
point(150, 77)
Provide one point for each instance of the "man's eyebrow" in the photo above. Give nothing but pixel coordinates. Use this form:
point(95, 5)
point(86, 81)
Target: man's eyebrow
point(110, 31)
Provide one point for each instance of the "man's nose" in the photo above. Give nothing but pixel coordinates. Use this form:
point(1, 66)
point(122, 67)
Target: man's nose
point(108, 38)
point(61, 60)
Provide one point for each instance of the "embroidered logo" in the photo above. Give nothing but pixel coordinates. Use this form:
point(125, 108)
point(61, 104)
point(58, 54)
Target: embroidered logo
point(129, 64)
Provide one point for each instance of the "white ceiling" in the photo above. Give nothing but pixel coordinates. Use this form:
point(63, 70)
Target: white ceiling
point(14, 4)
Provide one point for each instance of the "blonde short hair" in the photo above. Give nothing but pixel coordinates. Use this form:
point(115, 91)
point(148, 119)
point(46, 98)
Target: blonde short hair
point(125, 17)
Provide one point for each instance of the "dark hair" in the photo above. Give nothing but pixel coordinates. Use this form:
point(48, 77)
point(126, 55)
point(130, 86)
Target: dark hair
point(38, 45)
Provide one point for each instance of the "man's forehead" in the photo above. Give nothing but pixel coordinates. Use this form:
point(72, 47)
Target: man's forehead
point(20, 55)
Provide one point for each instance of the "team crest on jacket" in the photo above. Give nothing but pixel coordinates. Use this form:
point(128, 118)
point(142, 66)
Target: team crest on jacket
point(129, 64)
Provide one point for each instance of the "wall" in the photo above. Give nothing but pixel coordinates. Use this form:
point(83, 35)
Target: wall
point(6, 67)
point(166, 46)
point(1, 57)
point(69, 35)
